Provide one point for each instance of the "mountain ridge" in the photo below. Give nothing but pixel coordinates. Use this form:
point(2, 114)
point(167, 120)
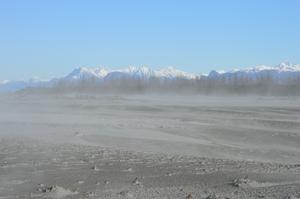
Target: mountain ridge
point(279, 73)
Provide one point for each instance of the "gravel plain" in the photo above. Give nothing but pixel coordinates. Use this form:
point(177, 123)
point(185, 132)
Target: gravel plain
point(149, 146)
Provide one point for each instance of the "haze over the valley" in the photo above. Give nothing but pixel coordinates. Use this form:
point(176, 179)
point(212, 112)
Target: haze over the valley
point(198, 99)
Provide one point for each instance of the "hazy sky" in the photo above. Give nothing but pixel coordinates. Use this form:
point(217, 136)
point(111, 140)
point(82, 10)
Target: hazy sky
point(50, 38)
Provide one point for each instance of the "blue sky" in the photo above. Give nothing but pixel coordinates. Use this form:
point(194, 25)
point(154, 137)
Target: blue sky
point(50, 38)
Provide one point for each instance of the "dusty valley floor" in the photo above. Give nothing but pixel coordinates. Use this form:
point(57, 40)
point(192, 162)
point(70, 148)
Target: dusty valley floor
point(83, 146)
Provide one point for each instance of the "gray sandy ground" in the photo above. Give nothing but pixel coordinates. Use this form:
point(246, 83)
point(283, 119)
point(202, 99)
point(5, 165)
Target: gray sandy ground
point(149, 147)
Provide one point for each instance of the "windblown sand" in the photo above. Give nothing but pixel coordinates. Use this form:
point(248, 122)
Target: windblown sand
point(82, 146)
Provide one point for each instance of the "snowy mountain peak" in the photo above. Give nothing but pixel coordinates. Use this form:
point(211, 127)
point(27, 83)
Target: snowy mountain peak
point(86, 73)
point(286, 66)
point(280, 68)
point(171, 72)
point(283, 67)
point(141, 72)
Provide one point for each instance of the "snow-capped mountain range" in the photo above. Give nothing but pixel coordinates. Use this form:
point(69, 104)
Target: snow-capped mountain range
point(279, 73)
point(134, 72)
